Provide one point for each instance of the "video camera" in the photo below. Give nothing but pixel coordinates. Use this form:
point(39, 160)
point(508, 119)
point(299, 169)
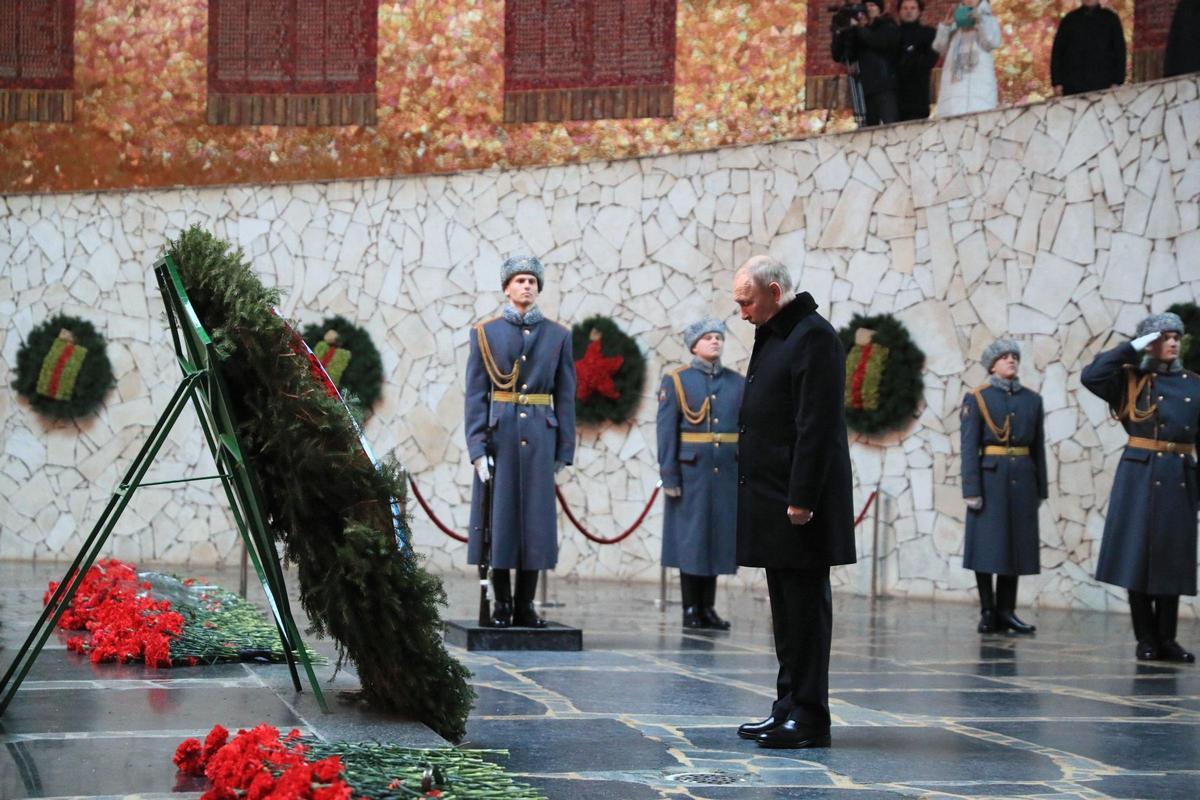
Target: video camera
point(843, 14)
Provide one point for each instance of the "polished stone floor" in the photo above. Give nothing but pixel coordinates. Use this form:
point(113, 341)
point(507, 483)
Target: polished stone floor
point(923, 707)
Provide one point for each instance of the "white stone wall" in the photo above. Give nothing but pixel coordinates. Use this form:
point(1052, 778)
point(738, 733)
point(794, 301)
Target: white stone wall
point(1057, 223)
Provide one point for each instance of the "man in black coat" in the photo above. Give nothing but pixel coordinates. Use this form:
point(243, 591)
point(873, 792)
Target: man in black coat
point(795, 514)
point(917, 60)
point(1183, 40)
point(872, 43)
point(1089, 50)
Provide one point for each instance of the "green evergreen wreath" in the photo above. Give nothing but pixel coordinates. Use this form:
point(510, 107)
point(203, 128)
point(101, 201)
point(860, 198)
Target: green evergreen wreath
point(1189, 350)
point(883, 375)
point(326, 501)
point(63, 368)
point(362, 375)
point(610, 371)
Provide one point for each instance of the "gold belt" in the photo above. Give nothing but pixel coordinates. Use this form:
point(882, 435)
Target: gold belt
point(1001, 450)
point(521, 399)
point(708, 438)
point(1142, 443)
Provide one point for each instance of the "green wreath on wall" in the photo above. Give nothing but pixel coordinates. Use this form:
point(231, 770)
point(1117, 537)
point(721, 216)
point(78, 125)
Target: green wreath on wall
point(883, 374)
point(610, 371)
point(349, 357)
point(63, 368)
point(1189, 349)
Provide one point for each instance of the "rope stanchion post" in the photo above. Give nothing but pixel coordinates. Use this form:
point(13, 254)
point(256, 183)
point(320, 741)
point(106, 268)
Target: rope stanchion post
point(544, 591)
point(875, 548)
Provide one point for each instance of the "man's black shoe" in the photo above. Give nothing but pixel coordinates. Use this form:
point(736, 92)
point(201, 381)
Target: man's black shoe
point(1147, 651)
point(790, 735)
point(752, 730)
point(1173, 651)
point(1009, 620)
point(502, 614)
point(692, 618)
point(987, 621)
point(526, 617)
point(713, 621)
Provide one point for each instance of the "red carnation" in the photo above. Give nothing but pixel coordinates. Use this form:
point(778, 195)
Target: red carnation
point(189, 757)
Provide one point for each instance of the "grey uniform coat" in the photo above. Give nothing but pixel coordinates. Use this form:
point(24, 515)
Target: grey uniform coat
point(1002, 537)
point(1149, 540)
point(792, 445)
point(526, 441)
point(700, 527)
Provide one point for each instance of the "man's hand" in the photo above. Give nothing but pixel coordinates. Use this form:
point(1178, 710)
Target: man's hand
point(974, 503)
point(481, 469)
point(676, 491)
point(798, 515)
point(1142, 342)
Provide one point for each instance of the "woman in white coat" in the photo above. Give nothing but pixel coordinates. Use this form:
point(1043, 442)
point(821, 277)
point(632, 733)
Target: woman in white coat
point(967, 38)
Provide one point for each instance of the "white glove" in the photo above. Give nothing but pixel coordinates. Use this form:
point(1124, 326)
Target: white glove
point(481, 469)
point(675, 492)
point(974, 503)
point(558, 466)
point(1142, 342)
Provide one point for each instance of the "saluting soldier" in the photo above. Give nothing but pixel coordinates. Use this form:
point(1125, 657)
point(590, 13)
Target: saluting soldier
point(1149, 544)
point(521, 403)
point(697, 459)
point(1003, 482)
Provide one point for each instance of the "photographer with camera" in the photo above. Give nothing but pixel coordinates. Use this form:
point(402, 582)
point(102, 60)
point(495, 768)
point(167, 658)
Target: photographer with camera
point(867, 41)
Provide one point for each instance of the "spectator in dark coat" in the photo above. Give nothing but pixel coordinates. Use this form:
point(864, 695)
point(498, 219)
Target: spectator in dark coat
point(1089, 50)
point(872, 42)
point(1183, 41)
point(795, 514)
point(1149, 544)
point(1003, 482)
point(917, 60)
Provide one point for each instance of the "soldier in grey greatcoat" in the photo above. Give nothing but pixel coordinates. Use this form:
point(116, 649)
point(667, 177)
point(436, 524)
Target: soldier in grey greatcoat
point(1149, 544)
point(697, 459)
point(520, 411)
point(1003, 482)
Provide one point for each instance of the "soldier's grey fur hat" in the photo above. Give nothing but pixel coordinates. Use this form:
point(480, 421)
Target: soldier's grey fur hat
point(522, 265)
point(1166, 321)
point(693, 332)
point(993, 351)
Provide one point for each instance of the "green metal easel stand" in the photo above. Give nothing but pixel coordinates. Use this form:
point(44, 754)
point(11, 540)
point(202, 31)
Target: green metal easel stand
point(204, 387)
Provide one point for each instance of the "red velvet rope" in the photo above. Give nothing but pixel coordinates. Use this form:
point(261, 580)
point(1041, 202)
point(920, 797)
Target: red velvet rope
point(866, 505)
point(458, 537)
point(562, 501)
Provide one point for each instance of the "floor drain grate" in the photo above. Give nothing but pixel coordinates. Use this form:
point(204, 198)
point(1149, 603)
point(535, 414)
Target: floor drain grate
point(707, 778)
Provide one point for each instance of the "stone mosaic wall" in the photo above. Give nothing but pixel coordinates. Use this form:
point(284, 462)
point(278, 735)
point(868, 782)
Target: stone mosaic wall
point(1059, 223)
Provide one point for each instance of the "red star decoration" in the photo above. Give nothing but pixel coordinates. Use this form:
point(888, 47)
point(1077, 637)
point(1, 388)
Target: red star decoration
point(594, 373)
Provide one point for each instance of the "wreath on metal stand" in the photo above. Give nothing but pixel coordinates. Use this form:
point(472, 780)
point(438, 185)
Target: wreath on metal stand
point(349, 357)
point(883, 374)
point(63, 368)
point(610, 371)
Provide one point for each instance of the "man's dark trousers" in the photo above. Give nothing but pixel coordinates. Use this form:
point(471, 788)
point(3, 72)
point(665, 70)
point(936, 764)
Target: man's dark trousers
point(802, 619)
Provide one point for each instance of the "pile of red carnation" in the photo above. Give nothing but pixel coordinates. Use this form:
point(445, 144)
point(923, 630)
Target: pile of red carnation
point(125, 622)
point(258, 765)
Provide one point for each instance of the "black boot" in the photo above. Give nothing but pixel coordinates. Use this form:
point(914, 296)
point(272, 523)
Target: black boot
point(987, 603)
point(690, 592)
point(1144, 629)
point(707, 611)
point(524, 615)
point(1006, 602)
point(502, 606)
point(1166, 613)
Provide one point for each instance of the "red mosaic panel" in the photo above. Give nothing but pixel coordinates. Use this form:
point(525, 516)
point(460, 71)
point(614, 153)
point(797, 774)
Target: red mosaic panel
point(37, 44)
point(1151, 24)
point(292, 46)
point(588, 59)
point(292, 62)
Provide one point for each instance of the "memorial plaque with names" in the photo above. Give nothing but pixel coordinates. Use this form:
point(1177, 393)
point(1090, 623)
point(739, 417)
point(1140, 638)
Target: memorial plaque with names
point(588, 59)
point(37, 60)
point(292, 62)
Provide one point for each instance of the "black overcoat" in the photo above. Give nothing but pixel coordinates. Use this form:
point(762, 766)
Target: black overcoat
point(1183, 40)
point(1088, 51)
point(916, 62)
point(1149, 542)
point(1002, 537)
point(792, 445)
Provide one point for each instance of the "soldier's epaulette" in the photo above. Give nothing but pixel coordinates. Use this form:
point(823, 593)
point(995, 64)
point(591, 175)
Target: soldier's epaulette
point(680, 369)
point(488, 321)
point(1187, 373)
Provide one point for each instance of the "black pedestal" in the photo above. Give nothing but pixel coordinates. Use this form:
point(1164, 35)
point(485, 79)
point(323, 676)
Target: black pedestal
point(470, 635)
